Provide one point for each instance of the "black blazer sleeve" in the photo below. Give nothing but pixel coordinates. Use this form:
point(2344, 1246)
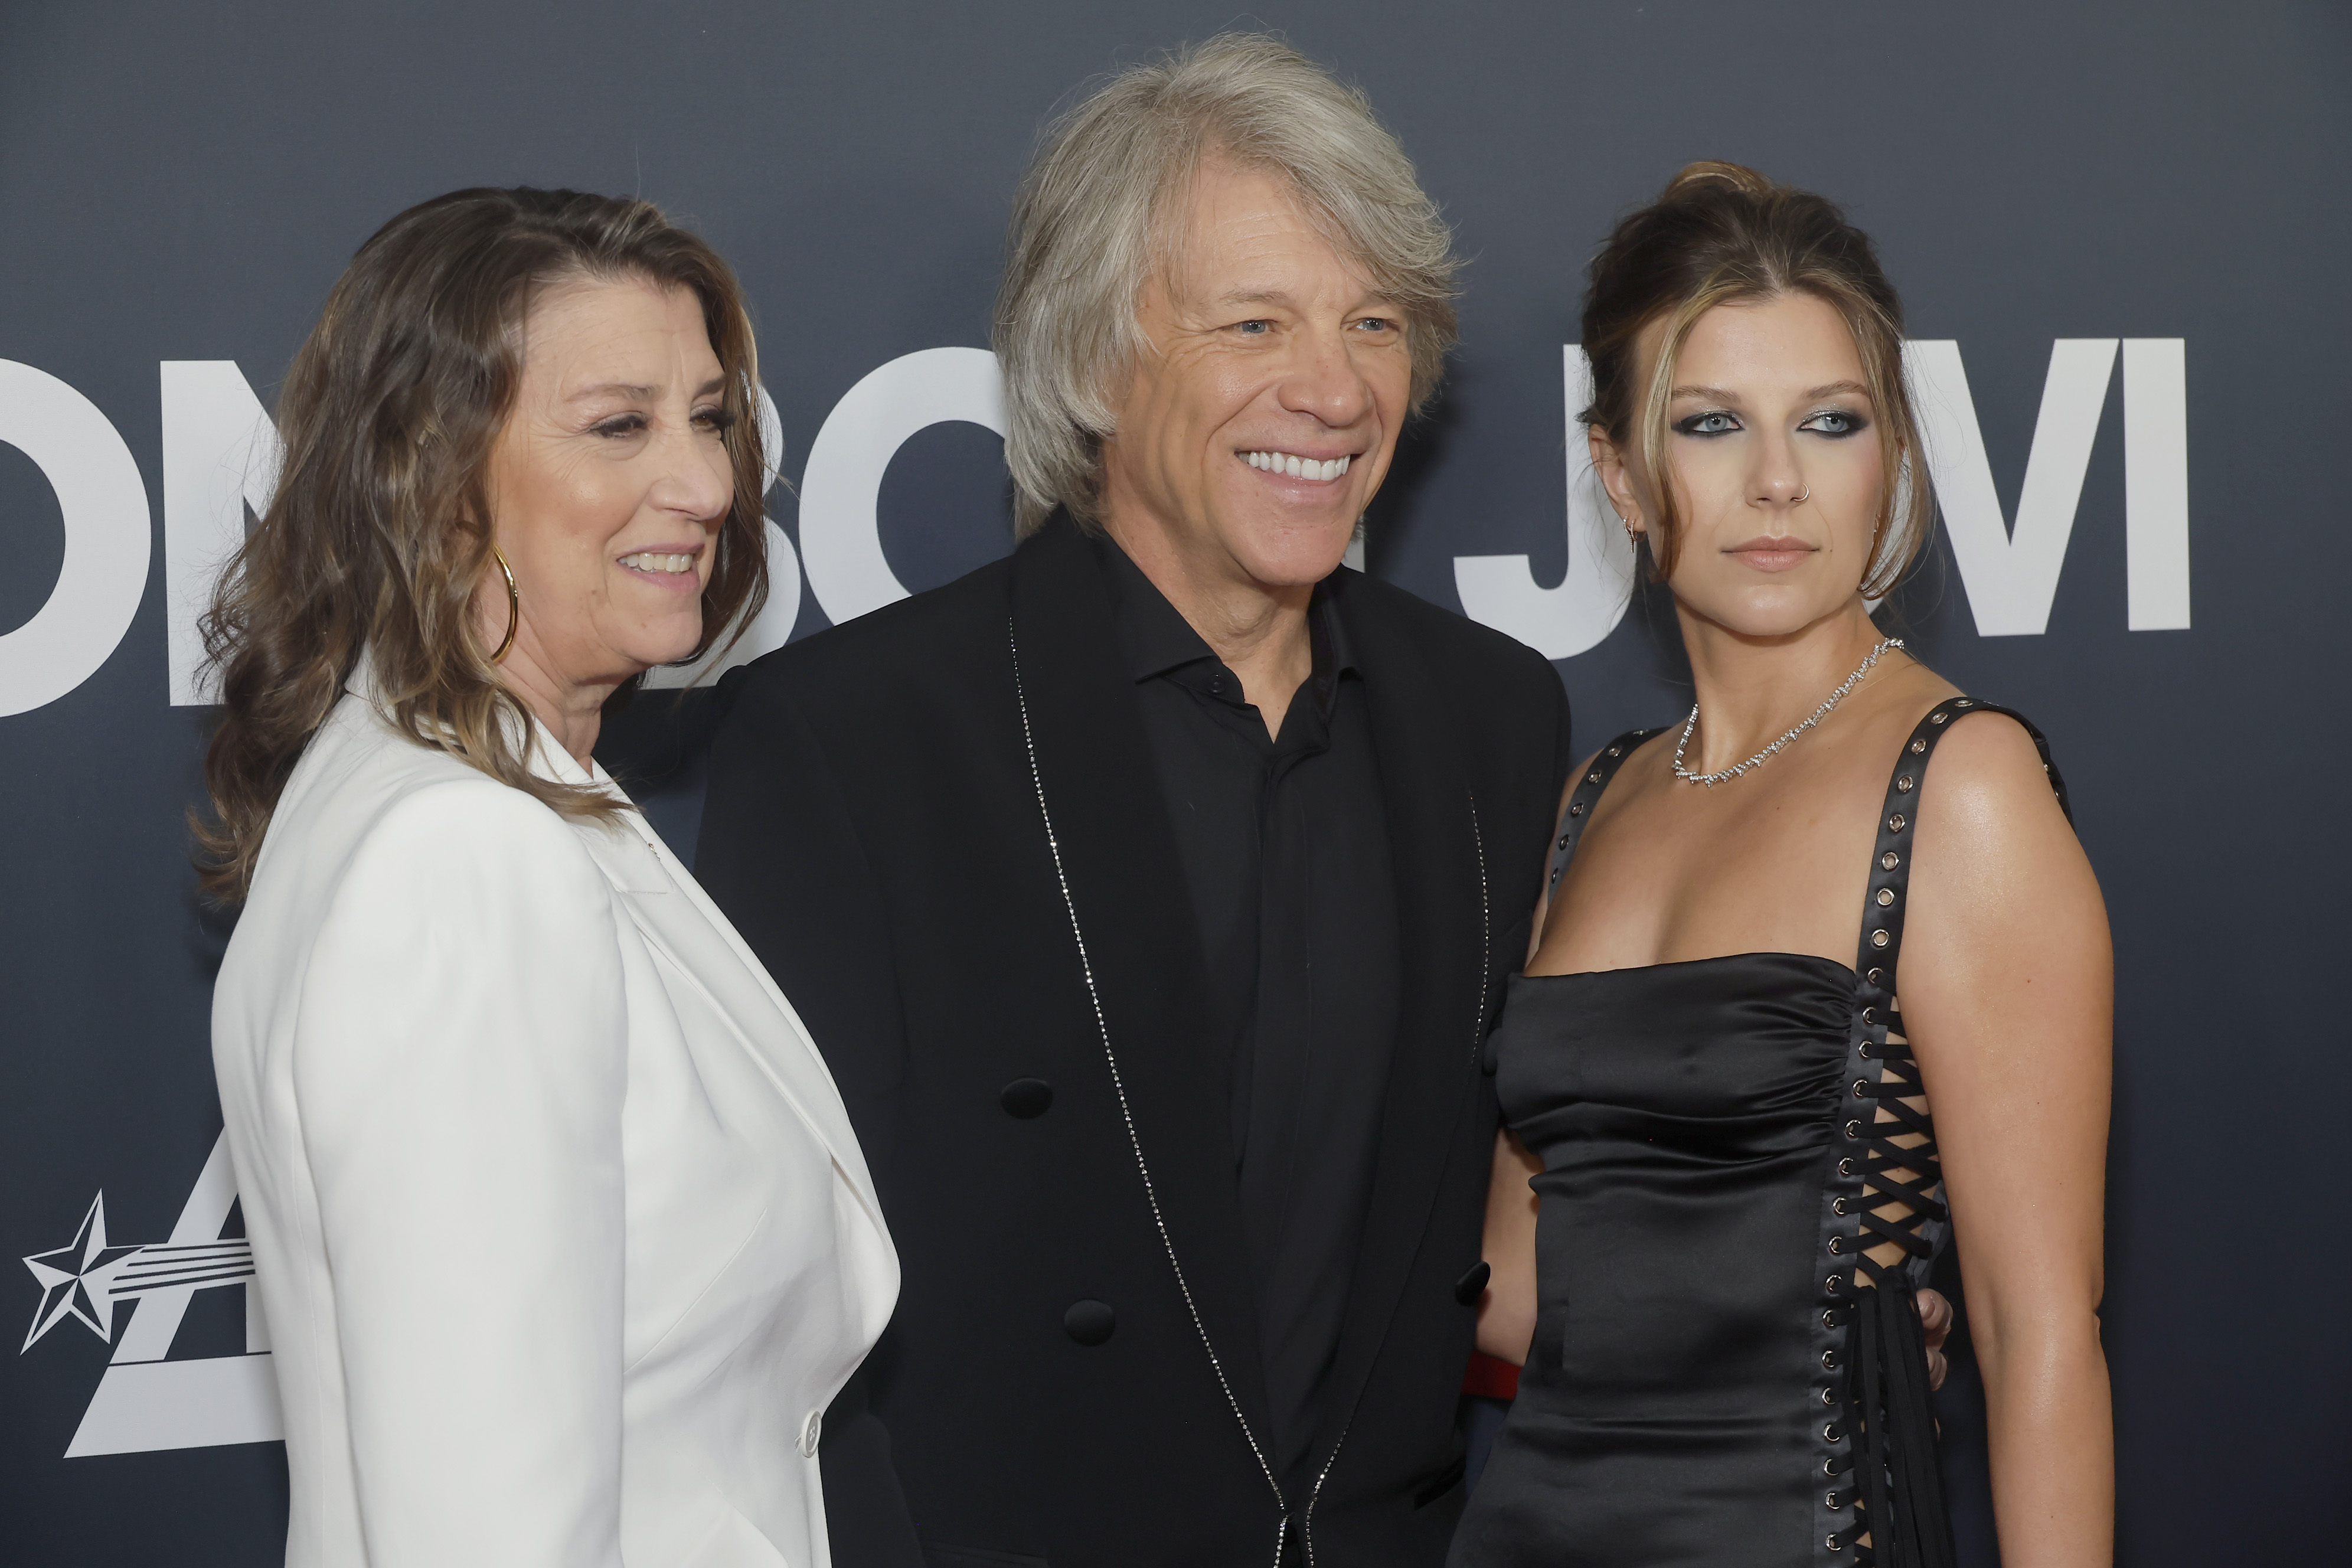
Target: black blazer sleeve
point(782, 855)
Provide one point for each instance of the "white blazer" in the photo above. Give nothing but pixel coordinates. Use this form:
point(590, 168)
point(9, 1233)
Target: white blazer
point(561, 1233)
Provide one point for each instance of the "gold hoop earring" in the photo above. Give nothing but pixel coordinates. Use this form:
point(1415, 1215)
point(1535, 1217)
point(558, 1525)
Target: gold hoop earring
point(514, 605)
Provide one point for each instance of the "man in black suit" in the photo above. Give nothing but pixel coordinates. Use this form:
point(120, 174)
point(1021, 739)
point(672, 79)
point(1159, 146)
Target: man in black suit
point(1151, 891)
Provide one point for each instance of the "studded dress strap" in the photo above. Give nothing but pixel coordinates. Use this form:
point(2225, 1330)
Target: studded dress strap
point(1585, 797)
point(1884, 1191)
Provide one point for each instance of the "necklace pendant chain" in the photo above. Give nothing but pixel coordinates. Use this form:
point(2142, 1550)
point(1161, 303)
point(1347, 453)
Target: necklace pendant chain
point(1760, 758)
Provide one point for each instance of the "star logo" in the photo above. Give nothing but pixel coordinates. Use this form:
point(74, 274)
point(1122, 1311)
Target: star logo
point(86, 1278)
point(77, 1280)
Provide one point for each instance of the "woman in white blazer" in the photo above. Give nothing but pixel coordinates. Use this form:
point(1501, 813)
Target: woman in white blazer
point(561, 1232)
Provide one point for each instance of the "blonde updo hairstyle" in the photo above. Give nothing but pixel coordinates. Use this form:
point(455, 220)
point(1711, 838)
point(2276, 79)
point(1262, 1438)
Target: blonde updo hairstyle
point(1722, 235)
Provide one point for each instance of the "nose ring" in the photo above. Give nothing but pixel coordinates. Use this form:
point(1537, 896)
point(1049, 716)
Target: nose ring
point(1809, 491)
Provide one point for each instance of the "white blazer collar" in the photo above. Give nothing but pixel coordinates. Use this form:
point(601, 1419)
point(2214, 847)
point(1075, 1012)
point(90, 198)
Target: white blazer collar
point(672, 912)
point(543, 753)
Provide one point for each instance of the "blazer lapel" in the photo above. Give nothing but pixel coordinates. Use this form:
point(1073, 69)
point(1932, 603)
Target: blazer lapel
point(1447, 931)
point(673, 914)
point(1126, 889)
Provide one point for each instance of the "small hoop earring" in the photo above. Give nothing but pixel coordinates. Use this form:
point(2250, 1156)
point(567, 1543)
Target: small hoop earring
point(514, 605)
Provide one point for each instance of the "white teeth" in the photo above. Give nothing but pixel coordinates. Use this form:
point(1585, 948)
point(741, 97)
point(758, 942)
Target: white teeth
point(1298, 468)
point(648, 561)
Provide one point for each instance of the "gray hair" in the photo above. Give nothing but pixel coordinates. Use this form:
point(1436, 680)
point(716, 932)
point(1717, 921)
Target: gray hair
point(1094, 221)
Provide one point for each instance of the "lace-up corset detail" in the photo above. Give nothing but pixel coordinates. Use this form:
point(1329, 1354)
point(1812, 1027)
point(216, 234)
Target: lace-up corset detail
point(1875, 1491)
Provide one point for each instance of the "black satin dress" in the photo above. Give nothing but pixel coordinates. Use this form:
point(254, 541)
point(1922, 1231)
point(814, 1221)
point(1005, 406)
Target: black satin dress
point(1709, 1383)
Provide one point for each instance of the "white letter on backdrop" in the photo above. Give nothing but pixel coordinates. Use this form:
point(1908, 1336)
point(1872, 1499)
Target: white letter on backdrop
point(2012, 577)
point(841, 538)
point(2155, 483)
point(772, 627)
point(145, 1403)
point(221, 455)
point(104, 502)
point(1500, 591)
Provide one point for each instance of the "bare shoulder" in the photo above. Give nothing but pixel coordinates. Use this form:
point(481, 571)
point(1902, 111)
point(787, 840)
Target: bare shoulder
point(1989, 763)
point(1995, 848)
point(1641, 758)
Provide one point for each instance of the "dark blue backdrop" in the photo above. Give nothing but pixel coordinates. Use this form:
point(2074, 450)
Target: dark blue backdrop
point(181, 184)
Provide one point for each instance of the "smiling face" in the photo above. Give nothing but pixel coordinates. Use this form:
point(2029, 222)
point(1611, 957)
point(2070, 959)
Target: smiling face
point(609, 482)
point(1260, 421)
point(1777, 471)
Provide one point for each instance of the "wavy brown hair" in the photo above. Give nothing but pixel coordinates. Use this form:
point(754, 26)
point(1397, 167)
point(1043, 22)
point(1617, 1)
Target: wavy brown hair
point(1720, 234)
point(380, 530)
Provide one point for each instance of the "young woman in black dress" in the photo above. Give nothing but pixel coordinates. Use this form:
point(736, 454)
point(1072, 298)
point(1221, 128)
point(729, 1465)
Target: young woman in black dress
point(1800, 1004)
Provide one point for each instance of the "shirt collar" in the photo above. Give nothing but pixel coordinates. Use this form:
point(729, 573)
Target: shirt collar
point(1155, 638)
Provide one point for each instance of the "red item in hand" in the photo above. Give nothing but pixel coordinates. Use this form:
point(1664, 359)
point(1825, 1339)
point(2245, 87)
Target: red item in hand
point(1490, 1379)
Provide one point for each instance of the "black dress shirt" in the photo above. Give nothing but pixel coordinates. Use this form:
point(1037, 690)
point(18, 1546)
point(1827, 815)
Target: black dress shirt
point(1284, 844)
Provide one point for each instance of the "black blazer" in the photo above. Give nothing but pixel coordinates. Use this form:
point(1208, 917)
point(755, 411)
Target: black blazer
point(876, 827)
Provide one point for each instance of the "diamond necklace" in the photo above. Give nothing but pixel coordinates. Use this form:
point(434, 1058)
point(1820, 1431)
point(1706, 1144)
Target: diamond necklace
point(1711, 779)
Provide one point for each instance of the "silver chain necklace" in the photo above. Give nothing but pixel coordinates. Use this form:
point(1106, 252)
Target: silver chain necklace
point(1711, 779)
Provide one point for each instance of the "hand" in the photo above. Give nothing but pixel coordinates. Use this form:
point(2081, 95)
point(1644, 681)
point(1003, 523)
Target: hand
point(1935, 1320)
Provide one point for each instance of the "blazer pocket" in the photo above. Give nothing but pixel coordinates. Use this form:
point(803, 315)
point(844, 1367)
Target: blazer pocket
point(977, 1557)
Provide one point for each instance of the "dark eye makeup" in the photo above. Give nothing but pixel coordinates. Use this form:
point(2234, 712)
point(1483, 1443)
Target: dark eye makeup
point(1706, 423)
point(1834, 423)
